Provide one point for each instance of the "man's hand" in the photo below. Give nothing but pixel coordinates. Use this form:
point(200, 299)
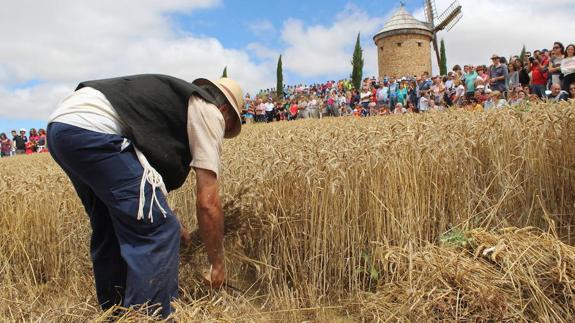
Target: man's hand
point(185, 236)
point(211, 223)
point(215, 278)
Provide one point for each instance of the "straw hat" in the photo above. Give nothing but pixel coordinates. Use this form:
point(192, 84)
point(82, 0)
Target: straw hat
point(233, 94)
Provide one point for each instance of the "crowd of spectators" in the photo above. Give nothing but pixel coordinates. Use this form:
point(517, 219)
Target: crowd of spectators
point(20, 144)
point(545, 75)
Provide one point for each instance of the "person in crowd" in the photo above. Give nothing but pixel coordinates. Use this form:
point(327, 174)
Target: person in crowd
point(449, 94)
point(13, 149)
point(533, 98)
point(483, 96)
point(343, 104)
point(433, 106)
point(32, 144)
point(423, 104)
point(520, 98)
point(568, 67)
point(557, 55)
point(497, 100)
point(437, 90)
point(42, 147)
point(135, 236)
point(382, 94)
point(474, 106)
point(269, 107)
point(513, 76)
point(470, 77)
point(393, 88)
point(412, 92)
point(30, 147)
point(285, 105)
point(539, 75)
point(424, 87)
point(303, 112)
point(355, 98)
point(458, 73)
point(33, 135)
point(399, 109)
point(410, 108)
point(314, 107)
point(459, 92)
point(20, 141)
point(260, 111)
point(365, 97)
point(384, 111)
point(5, 145)
point(557, 94)
point(357, 110)
point(248, 112)
point(331, 106)
point(572, 91)
point(482, 76)
point(497, 75)
point(402, 92)
point(293, 110)
point(524, 78)
point(543, 57)
point(364, 111)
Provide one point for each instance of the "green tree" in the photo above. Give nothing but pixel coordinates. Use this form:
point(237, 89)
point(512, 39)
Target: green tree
point(280, 80)
point(225, 72)
point(357, 63)
point(522, 55)
point(443, 59)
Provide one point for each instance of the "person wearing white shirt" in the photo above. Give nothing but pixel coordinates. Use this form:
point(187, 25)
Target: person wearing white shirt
point(124, 143)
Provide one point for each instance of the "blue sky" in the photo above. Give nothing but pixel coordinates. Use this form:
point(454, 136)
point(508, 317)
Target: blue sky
point(50, 46)
point(244, 14)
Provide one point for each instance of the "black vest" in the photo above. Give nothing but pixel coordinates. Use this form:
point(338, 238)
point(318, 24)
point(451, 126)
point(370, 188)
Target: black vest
point(154, 109)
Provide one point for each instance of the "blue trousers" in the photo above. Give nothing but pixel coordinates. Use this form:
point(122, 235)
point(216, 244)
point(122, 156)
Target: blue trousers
point(135, 262)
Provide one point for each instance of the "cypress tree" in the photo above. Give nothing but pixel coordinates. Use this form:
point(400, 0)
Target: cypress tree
point(522, 55)
point(443, 63)
point(225, 72)
point(280, 80)
point(357, 63)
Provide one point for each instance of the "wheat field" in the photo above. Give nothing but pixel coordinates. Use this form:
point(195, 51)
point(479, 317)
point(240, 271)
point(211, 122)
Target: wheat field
point(454, 216)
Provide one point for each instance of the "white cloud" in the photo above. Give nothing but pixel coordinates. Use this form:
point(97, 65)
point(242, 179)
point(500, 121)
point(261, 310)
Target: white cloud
point(263, 52)
point(502, 27)
point(319, 50)
point(262, 27)
point(62, 42)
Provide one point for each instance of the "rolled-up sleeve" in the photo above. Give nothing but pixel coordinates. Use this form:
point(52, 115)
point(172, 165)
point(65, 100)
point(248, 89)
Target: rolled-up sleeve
point(206, 127)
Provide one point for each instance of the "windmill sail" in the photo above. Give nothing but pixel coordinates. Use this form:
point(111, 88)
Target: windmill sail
point(446, 20)
point(451, 14)
point(430, 12)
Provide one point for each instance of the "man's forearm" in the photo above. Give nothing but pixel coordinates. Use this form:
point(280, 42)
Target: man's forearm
point(211, 225)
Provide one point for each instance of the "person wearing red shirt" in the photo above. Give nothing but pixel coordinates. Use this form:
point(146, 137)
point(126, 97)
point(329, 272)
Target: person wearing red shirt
point(293, 110)
point(539, 76)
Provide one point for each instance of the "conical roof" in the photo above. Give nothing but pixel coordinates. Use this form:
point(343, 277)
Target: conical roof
point(402, 20)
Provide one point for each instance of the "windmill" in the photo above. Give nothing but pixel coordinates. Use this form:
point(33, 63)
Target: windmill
point(446, 20)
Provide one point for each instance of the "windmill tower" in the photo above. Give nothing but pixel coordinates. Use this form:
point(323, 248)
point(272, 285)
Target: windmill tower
point(403, 45)
point(446, 20)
